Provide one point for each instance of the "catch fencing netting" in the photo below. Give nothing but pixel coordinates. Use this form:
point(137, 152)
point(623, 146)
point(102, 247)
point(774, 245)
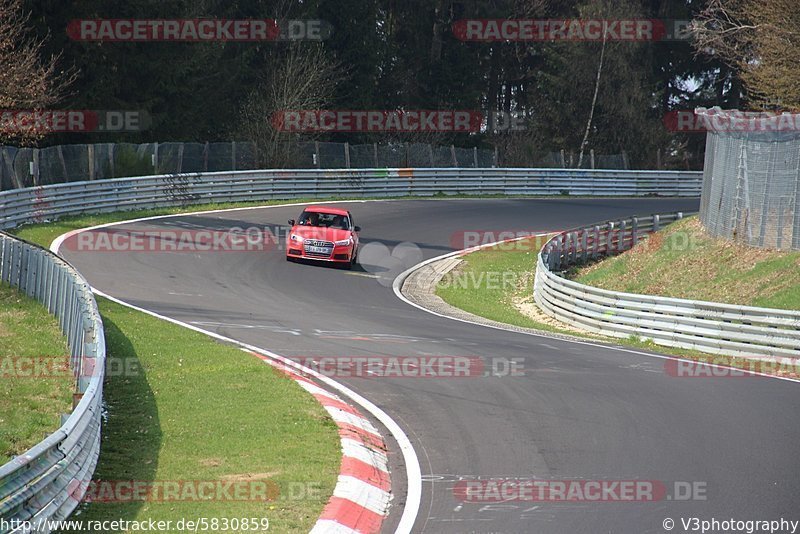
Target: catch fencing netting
point(751, 179)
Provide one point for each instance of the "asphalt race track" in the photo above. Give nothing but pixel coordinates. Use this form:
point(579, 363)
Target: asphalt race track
point(578, 412)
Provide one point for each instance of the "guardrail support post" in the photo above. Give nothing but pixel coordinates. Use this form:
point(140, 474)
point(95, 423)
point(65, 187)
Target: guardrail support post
point(584, 245)
point(609, 238)
point(576, 240)
point(35, 167)
point(559, 248)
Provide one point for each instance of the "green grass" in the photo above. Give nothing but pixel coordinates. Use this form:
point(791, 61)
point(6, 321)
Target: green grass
point(45, 233)
point(189, 408)
point(497, 302)
point(199, 410)
point(710, 269)
point(469, 289)
point(31, 402)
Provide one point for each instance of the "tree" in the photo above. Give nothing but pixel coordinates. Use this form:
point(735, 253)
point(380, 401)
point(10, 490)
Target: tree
point(600, 95)
point(27, 82)
point(761, 40)
point(302, 79)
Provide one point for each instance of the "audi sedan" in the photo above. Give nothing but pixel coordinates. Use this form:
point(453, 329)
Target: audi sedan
point(324, 234)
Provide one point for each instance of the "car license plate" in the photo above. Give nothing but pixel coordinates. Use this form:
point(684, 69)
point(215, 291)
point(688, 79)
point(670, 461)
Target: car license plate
point(319, 250)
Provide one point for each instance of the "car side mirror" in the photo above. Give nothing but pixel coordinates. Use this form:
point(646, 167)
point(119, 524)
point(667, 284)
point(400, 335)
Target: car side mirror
point(291, 221)
point(356, 228)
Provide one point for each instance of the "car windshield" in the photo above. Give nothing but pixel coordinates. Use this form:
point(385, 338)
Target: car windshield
point(325, 220)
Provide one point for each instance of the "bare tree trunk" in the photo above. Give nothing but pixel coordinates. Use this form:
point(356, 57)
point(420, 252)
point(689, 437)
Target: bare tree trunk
point(303, 79)
point(594, 101)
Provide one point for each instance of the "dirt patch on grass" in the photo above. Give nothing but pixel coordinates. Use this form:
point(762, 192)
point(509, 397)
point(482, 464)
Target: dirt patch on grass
point(527, 306)
point(10, 316)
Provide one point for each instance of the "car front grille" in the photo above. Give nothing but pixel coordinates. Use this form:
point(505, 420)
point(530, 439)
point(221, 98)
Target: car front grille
point(317, 243)
point(324, 248)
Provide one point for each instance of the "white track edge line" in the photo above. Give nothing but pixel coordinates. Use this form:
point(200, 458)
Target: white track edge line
point(397, 285)
point(413, 469)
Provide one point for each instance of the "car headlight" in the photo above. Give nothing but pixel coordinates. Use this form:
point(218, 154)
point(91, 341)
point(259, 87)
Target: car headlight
point(296, 238)
point(344, 242)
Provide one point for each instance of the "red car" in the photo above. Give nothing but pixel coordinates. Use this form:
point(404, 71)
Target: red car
point(322, 233)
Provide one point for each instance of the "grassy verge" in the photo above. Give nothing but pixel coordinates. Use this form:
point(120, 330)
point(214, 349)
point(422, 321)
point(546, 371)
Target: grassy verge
point(488, 281)
point(470, 288)
point(31, 400)
point(711, 269)
point(477, 286)
point(196, 410)
point(182, 407)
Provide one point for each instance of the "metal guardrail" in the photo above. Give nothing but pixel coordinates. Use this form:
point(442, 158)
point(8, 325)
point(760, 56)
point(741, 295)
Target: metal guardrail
point(49, 480)
point(48, 202)
point(705, 326)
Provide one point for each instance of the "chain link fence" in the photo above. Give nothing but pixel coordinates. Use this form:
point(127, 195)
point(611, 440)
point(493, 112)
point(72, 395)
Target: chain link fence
point(751, 179)
point(28, 167)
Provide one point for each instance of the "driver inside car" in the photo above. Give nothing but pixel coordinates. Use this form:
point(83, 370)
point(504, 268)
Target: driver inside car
point(311, 219)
